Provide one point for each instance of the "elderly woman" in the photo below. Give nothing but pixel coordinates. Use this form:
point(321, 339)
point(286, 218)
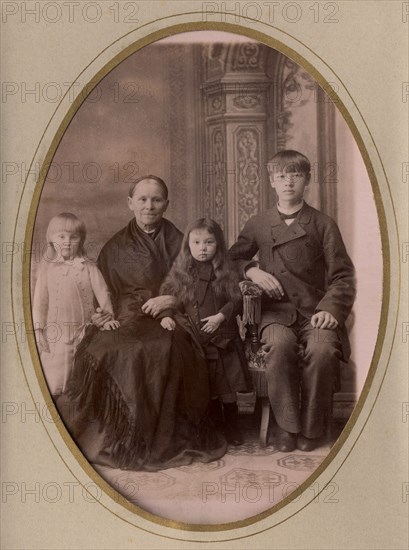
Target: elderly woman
point(144, 388)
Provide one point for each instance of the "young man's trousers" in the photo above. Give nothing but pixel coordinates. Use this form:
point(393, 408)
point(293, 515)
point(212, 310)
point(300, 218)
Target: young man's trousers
point(300, 378)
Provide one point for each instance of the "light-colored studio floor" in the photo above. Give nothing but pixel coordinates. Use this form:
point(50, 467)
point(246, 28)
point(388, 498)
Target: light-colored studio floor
point(248, 480)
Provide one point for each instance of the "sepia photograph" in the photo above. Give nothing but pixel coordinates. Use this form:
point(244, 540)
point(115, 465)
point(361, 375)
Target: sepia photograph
point(206, 277)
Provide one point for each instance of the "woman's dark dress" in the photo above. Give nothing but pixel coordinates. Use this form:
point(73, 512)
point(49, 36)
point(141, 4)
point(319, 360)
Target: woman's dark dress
point(146, 389)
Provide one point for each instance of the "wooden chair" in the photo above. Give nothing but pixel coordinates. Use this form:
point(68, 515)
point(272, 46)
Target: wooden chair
point(255, 358)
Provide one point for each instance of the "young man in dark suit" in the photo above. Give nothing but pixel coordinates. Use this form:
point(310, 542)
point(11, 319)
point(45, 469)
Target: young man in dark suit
point(308, 287)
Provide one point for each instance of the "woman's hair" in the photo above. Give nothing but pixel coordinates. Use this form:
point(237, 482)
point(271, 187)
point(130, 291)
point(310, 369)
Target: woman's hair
point(158, 180)
point(179, 281)
point(289, 161)
point(64, 222)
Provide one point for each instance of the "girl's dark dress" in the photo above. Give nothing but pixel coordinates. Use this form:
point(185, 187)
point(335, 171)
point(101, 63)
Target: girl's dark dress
point(223, 349)
point(141, 393)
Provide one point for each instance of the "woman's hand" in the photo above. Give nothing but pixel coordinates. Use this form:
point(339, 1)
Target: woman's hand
point(213, 323)
point(111, 325)
point(100, 318)
point(267, 282)
point(168, 323)
point(41, 340)
point(154, 306)
point(324, 319)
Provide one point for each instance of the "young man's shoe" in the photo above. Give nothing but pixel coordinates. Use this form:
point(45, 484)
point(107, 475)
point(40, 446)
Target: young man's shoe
point(307, 444)
point(285, 441)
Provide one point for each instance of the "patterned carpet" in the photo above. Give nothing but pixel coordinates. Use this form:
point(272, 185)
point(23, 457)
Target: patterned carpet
point(248, 480)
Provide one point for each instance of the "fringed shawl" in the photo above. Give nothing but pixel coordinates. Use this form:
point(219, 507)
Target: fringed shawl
point(134, 265)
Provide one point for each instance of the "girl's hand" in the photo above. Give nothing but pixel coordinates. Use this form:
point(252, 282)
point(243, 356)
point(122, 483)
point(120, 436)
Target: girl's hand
point(111, 325)
point(324, 319)
point(42, 342)
point(100, 318)
point(168, 323)
point(213, 323)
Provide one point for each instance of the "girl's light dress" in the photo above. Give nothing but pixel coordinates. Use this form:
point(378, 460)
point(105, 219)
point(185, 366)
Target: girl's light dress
point(63, 306)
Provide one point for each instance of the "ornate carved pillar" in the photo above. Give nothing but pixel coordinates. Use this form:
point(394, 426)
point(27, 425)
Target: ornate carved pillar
point(327, 155)
point(306, 122)
point(235, 101)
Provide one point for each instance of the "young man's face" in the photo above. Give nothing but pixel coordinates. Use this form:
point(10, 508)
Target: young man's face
point(289, 186)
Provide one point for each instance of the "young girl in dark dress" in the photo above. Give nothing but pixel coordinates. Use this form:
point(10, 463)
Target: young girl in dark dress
point(209, 299)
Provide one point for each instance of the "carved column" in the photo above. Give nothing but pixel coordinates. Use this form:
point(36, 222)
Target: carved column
point(177, 85)
point(235, 100)
point(327, 156)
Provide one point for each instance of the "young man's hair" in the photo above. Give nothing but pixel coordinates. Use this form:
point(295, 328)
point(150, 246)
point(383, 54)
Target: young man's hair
point(289, 161)
point(158, 180)
point(180, 279)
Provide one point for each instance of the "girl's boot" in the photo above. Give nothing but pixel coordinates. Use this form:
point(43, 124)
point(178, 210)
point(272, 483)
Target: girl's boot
point(231, 424)
point(216, 414)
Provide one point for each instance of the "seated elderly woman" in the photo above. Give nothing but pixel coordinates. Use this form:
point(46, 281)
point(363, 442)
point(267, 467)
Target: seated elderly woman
point(141, 392)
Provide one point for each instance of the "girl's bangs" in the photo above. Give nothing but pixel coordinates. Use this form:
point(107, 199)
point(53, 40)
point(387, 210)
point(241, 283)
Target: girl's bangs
point(60, 224)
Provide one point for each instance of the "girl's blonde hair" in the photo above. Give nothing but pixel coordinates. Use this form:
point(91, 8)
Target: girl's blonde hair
point(65, 222)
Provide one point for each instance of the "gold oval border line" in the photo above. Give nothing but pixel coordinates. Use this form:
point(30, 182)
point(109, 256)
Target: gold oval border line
point(276, 44)
point(75, 106)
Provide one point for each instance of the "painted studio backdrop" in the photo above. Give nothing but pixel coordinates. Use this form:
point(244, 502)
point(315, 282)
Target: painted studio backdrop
point(205, 111)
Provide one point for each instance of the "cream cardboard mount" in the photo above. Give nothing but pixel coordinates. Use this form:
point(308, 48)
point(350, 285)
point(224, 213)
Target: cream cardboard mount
point(213, 92)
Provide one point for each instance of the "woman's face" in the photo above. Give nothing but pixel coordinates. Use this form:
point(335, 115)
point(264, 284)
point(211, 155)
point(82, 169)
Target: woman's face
point(202, 245)
point(148, 204)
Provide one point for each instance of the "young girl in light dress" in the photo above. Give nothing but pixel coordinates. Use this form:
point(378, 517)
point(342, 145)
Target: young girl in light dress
point(209, 299)
point(66, 287)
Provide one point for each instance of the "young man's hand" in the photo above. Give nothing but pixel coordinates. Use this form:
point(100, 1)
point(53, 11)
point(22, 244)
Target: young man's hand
point(213, 323)
point(265, 346)
point(267, 282)
point(168, 323)
point(324, 319)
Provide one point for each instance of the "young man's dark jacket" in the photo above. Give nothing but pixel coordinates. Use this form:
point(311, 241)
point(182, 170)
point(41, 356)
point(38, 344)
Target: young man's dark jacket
point(309, 259)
